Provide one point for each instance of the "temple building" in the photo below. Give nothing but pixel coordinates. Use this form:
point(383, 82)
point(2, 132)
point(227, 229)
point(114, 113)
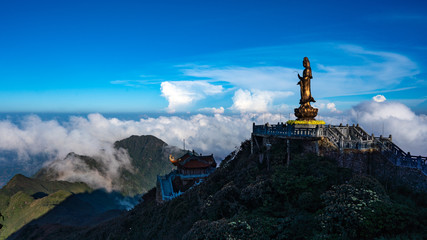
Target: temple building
point(191, 169)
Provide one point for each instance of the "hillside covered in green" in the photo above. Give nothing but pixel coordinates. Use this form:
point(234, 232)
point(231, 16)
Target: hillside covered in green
point(23, 199)
point(312, 198)
point(44, 200)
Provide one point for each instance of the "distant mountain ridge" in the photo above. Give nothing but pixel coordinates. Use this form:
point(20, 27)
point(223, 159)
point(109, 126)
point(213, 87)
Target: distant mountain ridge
point(148, 156)
point(42, 197)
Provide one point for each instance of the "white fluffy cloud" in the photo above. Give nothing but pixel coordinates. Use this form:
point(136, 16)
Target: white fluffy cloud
point(256, 100)
point(218, 134)
point(94, 136)
point(358, 71)
point(331, 107)
point(182, 93)
point(379, 98)
point(219, 110)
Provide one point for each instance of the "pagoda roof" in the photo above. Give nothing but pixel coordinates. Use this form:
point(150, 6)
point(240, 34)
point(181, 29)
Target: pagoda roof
point(191, 160)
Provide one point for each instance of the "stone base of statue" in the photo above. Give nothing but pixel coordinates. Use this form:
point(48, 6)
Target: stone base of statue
point(305, 113)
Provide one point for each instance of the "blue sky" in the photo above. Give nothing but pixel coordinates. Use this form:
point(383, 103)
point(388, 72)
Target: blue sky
point(203, 71)
point(209, 56)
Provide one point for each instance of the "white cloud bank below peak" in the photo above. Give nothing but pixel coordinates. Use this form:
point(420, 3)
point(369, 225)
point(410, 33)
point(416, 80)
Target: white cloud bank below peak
point(218, 134)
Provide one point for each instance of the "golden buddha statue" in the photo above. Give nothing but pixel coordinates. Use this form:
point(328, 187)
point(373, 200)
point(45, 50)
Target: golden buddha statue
point(306, 111)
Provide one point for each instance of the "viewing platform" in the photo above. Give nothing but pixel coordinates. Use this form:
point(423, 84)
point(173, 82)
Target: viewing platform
point(286, 131)
point(342, 137)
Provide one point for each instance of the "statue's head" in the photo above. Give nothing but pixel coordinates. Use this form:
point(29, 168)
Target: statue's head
point(306, 62)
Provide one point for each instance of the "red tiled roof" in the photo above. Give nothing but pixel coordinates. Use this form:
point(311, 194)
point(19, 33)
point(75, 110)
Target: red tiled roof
point(195, 164)
point(195, 161)
point(183, 158)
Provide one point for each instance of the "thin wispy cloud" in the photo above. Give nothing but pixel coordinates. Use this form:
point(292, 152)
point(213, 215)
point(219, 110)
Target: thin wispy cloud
point(377, 91)
point(136, 83)
point(261, 78)
point(338, 70)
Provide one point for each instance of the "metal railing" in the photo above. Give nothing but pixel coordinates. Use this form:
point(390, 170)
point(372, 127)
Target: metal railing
point(400, 158)
point(166, 185)
point(284, 130)
point(347, 137)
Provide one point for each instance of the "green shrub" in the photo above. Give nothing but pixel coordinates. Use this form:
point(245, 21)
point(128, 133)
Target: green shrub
point(345, 208)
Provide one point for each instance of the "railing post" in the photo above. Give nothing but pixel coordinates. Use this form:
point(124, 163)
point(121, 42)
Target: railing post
point(317, 148)
point(252, 143)
point(288, 150)
point(419, 163)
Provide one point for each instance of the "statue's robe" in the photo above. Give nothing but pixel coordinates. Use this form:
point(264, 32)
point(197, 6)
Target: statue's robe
point(306, 97)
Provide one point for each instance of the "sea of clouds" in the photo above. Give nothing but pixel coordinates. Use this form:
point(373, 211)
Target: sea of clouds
point(95, 134)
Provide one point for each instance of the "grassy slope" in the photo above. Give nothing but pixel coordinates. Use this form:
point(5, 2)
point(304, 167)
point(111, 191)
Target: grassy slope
point(19, 207)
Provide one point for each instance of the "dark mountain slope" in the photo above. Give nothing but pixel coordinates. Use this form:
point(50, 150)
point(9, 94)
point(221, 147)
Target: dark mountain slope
point(24, 199)
point(313, 198)
point(85, 209)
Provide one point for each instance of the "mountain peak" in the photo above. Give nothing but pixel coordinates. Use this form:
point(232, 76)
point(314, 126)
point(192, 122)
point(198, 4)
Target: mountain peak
point(148, 157)
point(18, 181)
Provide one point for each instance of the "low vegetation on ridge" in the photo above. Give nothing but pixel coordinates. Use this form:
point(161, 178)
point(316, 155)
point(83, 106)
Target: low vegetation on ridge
point(312, 198)
point(24, 199)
